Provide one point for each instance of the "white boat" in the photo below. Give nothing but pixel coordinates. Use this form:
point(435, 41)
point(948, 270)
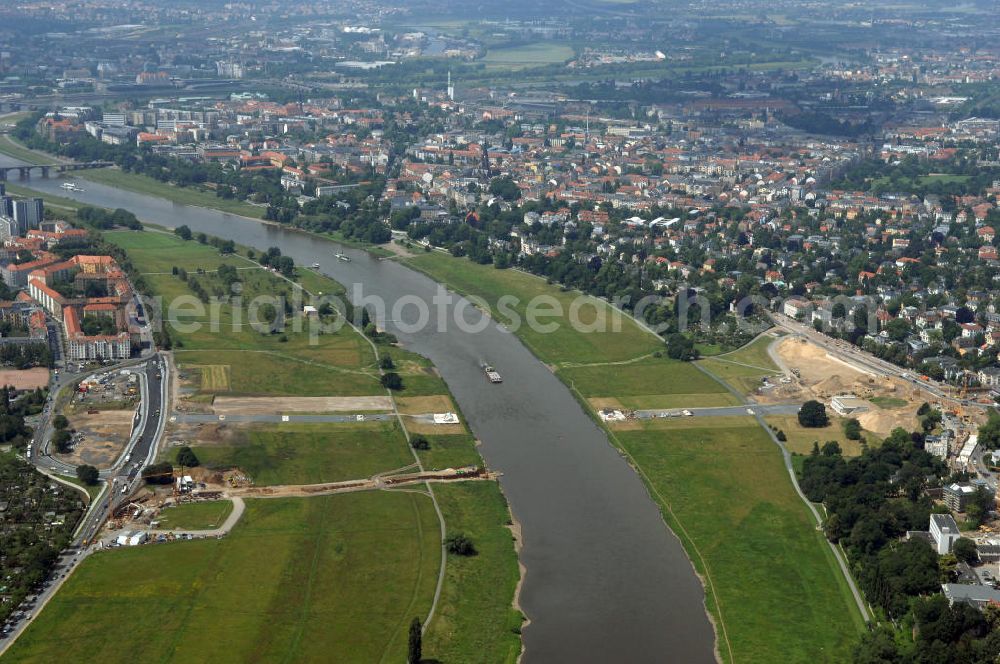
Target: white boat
point(315, 266)
point(344, 257)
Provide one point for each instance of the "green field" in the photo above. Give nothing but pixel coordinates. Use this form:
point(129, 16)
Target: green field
point(744, 368)
point(608, 343)
point(773, 586)
point(475, 621)
point(801, 439)
point(310, 453)
point(294, 362)
point(143, 184)
point(204, 515)
point(658, 378)
point(13, 148)
point(449, 451)
point(322, 579)
point(528, 55)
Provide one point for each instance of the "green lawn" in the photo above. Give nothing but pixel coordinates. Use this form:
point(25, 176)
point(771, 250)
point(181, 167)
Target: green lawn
point(322, 579)
point(774, 589)
point(744, 368)
point(615, 337)
point(475, 621)
point(203, 515)
point(143, 184)
point(310, 453)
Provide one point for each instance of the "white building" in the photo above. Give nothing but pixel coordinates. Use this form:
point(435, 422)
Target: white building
point(944, 531)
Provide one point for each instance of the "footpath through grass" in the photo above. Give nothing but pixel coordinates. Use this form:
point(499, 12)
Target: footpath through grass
point(321, 579)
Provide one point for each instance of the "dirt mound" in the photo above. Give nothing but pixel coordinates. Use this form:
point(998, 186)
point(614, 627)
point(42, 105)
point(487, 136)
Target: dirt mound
point(882, 422)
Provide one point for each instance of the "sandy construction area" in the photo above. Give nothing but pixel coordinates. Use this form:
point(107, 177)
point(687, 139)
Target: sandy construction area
point(821, 376)
point(271, 405)
point(105, 435)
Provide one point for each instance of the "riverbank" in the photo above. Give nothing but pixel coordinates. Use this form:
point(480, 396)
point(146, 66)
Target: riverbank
point(715, 482)
point(473, 597)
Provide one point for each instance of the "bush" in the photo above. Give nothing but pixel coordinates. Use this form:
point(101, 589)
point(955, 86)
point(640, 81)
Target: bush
point(781, 436)
point(386, 363)
point(813, 415)
point(419, 442)
point(60, 422)
point(392, 381)
point(460, 545)
point(852, 429)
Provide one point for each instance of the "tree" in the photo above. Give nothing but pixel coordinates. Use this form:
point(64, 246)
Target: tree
point(965, 550)
point(187, 457)
point(87, 474)
point(813, 415)
point(183, 232)
point(392, 381)
point(852, 429)
point(386, 363)
point(460, 545)
point(60, 422)
point(419, 442)
point(415, 653)
point(61, 440)
point(679, 347)
point(979, 507)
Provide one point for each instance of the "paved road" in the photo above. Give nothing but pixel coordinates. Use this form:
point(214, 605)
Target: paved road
point(724, 411)
point(206, 418)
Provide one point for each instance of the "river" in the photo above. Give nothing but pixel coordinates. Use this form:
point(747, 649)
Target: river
point(606, 581)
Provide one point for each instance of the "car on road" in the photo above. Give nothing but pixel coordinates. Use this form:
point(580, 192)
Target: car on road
point(750, 411)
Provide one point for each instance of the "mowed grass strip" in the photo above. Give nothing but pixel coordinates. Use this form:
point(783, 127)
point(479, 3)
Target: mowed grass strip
point(204, 515)
point(310, 453)
point(322, 579)
point(475, 621)
point(773, 585)
point(607, 343)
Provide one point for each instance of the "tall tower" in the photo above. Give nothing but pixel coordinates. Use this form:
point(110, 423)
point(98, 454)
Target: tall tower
point(451, 88)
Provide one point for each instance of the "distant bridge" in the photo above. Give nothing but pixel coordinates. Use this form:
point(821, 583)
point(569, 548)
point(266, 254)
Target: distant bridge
point(47, 169)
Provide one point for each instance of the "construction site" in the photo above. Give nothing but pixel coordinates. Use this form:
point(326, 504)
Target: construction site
point(101, 410)
point(813, 373)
